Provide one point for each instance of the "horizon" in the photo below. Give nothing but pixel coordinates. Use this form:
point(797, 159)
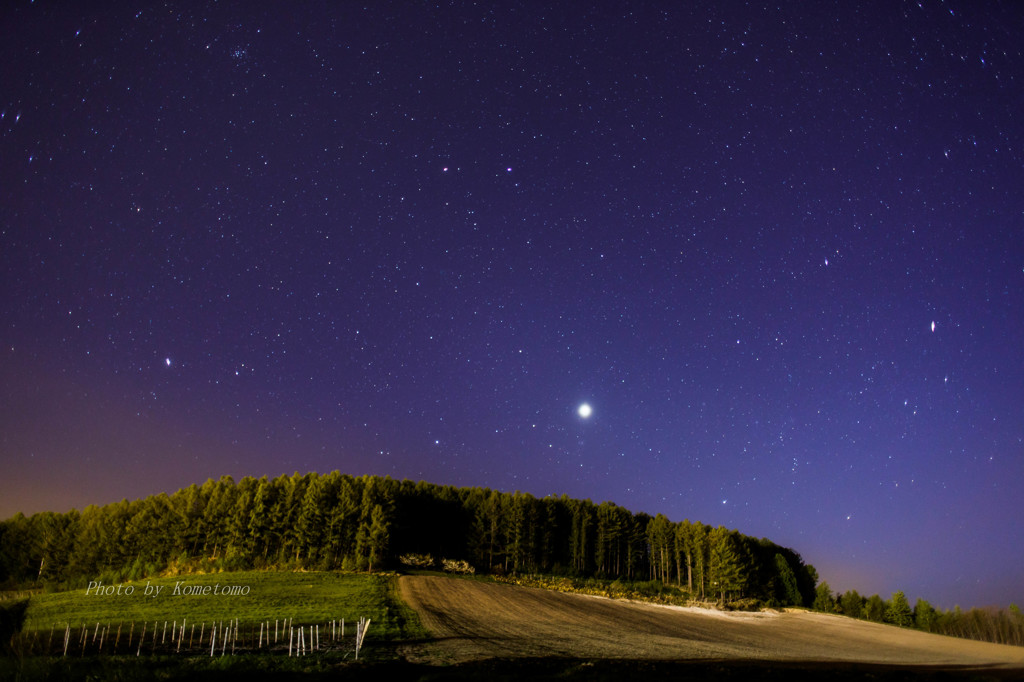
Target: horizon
point(912, 597)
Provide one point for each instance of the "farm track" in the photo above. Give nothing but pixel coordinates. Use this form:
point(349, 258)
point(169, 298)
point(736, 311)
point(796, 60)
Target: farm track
point(474, 621)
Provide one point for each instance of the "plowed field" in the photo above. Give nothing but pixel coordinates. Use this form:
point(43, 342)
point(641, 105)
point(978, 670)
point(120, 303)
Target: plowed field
point(478, 620)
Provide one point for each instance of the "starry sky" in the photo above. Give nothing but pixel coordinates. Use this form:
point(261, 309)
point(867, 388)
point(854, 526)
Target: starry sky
point(778, 250)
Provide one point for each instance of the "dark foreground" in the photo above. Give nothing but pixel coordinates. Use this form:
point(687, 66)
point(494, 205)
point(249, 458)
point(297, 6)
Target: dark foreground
point(492, 670)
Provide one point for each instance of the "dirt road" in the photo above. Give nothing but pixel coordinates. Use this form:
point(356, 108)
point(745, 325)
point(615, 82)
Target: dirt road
point(478, 620)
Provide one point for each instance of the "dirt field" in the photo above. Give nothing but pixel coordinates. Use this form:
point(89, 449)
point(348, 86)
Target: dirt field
point(476, 620)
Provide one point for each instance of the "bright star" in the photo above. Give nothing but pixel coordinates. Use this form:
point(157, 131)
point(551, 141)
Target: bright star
point(168, 361)
point(585, 410)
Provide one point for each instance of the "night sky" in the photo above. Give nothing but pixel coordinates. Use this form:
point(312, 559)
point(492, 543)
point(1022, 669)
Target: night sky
point(779, 252)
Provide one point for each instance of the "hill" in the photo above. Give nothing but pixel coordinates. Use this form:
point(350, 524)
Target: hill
point(473, 620)
point(336, 521)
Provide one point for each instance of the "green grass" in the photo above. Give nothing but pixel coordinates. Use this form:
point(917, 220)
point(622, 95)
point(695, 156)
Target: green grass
point(303, 597)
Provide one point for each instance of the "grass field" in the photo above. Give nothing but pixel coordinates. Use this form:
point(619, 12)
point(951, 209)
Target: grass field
point(106, 627)
point(473, 629)
point(305, 598)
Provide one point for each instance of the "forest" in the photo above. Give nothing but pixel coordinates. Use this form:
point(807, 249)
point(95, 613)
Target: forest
point(340, 522)
point(337, 521)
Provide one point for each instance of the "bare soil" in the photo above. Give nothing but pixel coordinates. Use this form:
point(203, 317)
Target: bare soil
point(474, 621)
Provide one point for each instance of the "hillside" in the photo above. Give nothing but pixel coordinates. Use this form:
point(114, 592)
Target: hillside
point(473, 620)
point(337, 521)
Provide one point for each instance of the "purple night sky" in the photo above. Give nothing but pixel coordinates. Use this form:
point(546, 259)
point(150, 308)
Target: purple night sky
point(779, 251)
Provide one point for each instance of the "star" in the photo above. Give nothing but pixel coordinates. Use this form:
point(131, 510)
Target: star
point(585, 410)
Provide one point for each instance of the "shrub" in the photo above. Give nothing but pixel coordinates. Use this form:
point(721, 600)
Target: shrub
point(417, 560)
point(457, 566)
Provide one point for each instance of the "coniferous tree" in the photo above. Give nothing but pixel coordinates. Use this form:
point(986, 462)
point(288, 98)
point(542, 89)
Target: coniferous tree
point(375, 516)
point(875, 609)
point(580, 534)
point(685, 543)
point(376, 537)
point(660, 536)
point(924, 615)
point(237, 522)
point(310, 522)
point(701, 553)
point(788, 592)
point(823, 600)
point(852, 604)
point(635, 545)
point(259, 521)
point(343, 522)
point(898, 611)
point(607, 538)
point(728, 574)
point(57, 533)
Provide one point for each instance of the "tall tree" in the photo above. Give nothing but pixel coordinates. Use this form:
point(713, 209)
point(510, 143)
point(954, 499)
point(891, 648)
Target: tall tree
point(823, 599)
point(788, 591)
point(898, 611)
point(874, 610)
point(660, 536)
point(310, 523)
point(259, 521)
point(686, 544)
point(375, 518)
point(729, 571)
point(237, 526)
point(852, 604)
point(924, 615)
point(375, 537)
point(343, 523)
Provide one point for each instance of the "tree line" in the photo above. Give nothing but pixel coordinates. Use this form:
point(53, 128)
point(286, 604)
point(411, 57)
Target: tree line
point(337, 521)
point(987, 624)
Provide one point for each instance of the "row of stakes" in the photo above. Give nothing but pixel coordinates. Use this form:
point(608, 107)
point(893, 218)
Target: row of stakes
point(301, 640)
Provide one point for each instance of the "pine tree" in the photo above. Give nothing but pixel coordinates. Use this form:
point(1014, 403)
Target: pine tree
point(898, 612)
point(310, 524)
point(924, 615)
point(875, 609)
point(728, 572)
point(852, 604)
point(823, 600)
point(374, 537)
point(788, 592)
point(701, 550)
point(686, 544)
point(375, 515)
point(660, 536)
